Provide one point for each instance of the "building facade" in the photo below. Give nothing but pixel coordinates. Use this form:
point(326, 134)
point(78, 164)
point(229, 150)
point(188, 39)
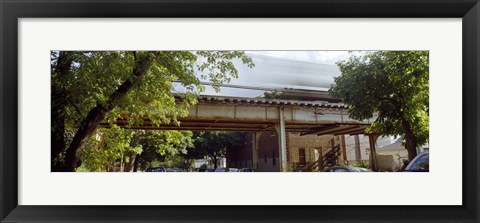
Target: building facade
point(304, 152)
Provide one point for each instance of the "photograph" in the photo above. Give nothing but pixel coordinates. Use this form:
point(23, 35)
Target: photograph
point(240, 111)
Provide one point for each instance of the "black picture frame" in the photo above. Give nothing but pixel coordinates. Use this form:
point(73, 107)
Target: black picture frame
point(11, 11)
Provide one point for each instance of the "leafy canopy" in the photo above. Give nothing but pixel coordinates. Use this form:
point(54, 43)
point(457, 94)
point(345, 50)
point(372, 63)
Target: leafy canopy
point(114, 145)
point(215, 144)
point(393, 84)
point(96, 75)
point(85, 81)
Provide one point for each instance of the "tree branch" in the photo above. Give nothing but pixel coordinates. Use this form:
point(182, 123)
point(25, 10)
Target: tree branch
point(98, 113)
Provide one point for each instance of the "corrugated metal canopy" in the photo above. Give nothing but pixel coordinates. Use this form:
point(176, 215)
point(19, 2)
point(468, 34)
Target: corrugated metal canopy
point(256, 101)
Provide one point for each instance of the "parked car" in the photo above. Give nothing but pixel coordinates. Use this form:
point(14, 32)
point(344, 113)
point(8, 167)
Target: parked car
point(174, 169)
point(347, 169)
point(246, 170)
point(226, 170)
point(419, 164)
point(156, 169)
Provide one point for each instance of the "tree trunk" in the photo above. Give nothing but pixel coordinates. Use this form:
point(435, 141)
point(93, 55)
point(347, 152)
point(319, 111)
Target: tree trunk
point(410, 139)
point(135, 164)
point(57, 131)
point(132, 155)
point(214, 162)
point(58, 95)
point(129, 164)
point(97, 114)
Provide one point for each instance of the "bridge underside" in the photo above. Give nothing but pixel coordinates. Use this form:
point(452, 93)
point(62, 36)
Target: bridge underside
point(261, 115)
point(305, 128)
point(213, 113)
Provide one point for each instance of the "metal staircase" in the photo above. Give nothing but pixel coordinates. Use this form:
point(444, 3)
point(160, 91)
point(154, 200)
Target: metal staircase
point(325, 161)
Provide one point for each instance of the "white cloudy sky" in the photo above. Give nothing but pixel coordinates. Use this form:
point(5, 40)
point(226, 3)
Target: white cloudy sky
point(324, 57)
point(279, 69)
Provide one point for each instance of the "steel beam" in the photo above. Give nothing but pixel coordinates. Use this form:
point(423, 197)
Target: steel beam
point(255, 140)
point(250, 114)
point(351, 130)
point(317, 130)
point(339, 129)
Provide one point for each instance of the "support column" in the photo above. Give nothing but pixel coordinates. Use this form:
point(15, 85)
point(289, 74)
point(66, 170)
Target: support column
point(320, 159)
point(282, 140)
point(372, 139)
point(255, 140)
point(344, 149)
point(358, 151)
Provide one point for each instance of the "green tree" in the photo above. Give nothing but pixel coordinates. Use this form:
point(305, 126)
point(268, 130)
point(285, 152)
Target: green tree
point(130, 149)
point(275, 94)
point(91, 87)
point(159, 146)
point(215, 144)
point(393, 84)
point(102, 152)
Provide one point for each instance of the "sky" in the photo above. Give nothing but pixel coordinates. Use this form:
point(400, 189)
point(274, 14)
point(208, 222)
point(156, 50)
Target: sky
point(323, 57)
point(313, 70)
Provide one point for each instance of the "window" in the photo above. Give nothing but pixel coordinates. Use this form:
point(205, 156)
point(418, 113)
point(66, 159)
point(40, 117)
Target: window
point(301, 156)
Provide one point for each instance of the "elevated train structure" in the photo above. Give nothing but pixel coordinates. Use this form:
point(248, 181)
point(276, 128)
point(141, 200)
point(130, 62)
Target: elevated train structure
point(257, 115)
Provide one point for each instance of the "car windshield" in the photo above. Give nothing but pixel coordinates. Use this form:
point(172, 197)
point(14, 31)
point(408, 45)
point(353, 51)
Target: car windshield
point(421, 164)
point(355, 169)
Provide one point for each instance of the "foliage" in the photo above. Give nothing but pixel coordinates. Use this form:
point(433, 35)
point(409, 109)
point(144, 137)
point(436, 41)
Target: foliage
point(96, 75)
point(177, 161)
point(122, 146)
point(110, 145)
point(362, 163)
point(103, 86)
point(393, 85)
point(215, 144)
point(275, 94)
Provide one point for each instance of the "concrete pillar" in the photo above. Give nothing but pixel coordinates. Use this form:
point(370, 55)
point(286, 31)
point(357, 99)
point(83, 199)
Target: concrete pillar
point(255, 140)
point(344, 149)
point(358, 151)
point(282, 140)
point(320, 159)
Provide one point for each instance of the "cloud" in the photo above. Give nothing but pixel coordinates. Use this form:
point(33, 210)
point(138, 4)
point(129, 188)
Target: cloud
point(285, 69)
point(323, 57)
